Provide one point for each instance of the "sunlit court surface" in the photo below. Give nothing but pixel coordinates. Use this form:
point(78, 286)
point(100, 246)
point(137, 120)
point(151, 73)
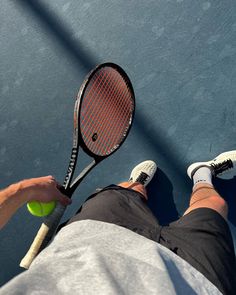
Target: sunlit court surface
point(180, 57)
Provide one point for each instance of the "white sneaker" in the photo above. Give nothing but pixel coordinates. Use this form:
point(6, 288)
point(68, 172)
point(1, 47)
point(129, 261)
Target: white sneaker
point(223, 166)
point(143, 172)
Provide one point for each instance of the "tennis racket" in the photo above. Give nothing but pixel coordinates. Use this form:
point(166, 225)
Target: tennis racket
point(103, 115)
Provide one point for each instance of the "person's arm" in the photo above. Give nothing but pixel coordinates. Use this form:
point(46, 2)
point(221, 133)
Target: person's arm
point(43, 189)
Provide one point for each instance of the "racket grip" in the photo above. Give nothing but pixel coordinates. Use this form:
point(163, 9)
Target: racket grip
point(43, 236)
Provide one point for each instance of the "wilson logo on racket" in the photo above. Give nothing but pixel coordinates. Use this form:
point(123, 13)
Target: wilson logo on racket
point(71, 166)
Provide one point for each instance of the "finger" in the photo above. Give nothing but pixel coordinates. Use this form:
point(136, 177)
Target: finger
point(49, 177)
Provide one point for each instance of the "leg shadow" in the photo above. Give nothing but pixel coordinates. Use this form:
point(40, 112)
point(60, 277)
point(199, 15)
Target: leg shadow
point(160, 199)
point(227, 189)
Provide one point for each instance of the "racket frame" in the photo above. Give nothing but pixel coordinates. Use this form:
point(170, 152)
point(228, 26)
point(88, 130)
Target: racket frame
point(80, 99)
point(77, 134)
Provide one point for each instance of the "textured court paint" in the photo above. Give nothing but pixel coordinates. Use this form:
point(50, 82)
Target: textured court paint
point(180, 56)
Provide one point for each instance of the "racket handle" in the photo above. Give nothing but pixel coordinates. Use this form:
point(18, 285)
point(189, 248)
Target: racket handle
point(44, 235)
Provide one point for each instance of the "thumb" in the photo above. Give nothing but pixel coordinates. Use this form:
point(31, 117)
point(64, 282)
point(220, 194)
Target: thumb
point(64, 200)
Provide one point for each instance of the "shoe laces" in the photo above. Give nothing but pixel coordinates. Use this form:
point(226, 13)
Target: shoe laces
point(142, 178)
point(222, 166)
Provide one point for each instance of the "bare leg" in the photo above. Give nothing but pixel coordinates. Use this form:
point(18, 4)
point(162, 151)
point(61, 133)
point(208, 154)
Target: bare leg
point(204, 193)
point(205, 196)
point(140, 176)
point(136, 186)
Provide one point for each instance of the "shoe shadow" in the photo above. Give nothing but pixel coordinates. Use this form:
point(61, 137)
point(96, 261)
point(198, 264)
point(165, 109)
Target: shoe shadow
point(160, 199)
point(227, 189)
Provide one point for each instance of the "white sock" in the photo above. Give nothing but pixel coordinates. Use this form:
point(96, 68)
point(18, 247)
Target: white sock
point(202, 175)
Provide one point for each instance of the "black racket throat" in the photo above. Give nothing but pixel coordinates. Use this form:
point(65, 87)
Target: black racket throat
point(69, 187)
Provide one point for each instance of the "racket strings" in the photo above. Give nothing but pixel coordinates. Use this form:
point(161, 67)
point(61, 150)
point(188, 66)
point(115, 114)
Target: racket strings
point(110, 115)
point(93, 88)
point(111, 118)
point(107, 109)
point(119, 118)
point(96, 108)
point(104, 113)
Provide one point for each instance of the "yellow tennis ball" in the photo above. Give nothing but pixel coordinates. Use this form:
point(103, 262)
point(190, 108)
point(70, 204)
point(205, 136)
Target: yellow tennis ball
point(40, 209)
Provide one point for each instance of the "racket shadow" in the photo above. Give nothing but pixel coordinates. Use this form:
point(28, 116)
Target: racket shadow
point(162, 146)
point(161, 200)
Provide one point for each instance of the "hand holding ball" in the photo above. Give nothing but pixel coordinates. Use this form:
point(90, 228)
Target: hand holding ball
point(43, 193)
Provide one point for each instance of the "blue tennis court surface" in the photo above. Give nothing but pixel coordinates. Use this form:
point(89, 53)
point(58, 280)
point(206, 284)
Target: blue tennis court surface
point(180, 56)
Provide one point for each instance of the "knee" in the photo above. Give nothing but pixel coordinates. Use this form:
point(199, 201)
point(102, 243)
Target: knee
point(219, 201)
point(214, 202)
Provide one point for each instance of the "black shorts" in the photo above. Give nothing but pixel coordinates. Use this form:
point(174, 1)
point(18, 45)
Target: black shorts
point(202, 237)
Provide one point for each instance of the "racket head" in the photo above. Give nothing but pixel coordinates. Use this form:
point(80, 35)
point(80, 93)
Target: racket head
point(104, 111)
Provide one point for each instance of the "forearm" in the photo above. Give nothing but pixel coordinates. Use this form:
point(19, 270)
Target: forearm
point(11, 199)
point(42, 189)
